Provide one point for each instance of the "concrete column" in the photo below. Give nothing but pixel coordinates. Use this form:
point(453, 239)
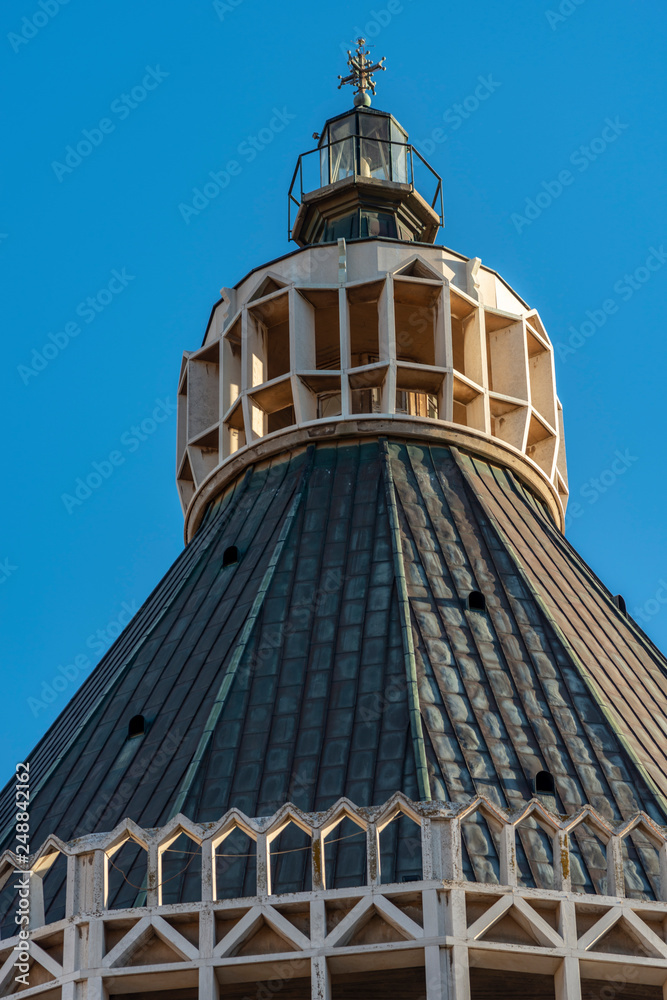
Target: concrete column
point(318, 873)
point(663, 872)
point(95, 943)
point(567, 984)
point(209, 988)
point(99, 883)
point(459, 973)
point(567, 980)
point(446, 849)
point(207, 863)
point(373, 873)
point(263, 866)
point(345, 360)
point(95, 989)
point(70, 949)
point(36, 897)
point(457, 928)
point(508, 855)
point(437, 973)
point(153, 875)
point(615, 873)
point(320, 978)
point(318, 922)
point(561, 851)
point(207, 940)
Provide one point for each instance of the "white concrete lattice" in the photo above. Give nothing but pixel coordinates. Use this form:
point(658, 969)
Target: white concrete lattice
point(442, 923)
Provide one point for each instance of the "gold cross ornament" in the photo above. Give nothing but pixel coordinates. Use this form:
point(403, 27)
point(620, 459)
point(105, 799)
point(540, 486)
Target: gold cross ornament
point(362, 73)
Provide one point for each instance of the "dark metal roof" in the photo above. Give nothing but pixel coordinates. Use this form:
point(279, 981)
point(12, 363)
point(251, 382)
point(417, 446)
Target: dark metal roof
point(338, 657)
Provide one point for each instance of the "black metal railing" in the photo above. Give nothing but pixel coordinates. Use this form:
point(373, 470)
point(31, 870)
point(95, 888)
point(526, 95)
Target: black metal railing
point(366, 158)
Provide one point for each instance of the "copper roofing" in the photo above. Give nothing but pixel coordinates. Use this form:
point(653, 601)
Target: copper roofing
point(338, 656)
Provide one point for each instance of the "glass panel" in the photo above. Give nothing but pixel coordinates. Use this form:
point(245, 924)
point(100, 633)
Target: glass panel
point(328, 404)
point(399, 154)
point(346, 228)
point(373, 126)
point(342, 148)
point(366, 400)
point(417, 404)
point(374, 150)
point(324, 159)
point(378, 224)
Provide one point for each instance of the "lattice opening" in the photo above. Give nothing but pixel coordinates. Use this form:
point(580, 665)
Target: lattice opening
point(181, 871)
point(9, 900)
point(236, 866)
point(503, 985)
point(127, 878)
point(401, 851)
point(54, 882)
point(535, 855)
point(345, 855)
point(415, 312)
point(588, 860)
point(641, 866)
point(364, 324)
point(326, 327)
point(291, 861)
point(269, 339)
point(482, 845)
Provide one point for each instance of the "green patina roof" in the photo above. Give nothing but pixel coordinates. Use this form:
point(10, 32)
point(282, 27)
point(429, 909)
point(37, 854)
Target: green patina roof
point(338, 657)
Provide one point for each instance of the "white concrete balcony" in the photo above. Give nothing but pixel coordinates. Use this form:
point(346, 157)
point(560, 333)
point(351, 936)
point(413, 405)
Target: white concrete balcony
point(371, 337)
point(440, 935)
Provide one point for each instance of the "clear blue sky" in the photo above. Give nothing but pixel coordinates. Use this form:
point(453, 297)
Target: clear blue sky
point(218, 71)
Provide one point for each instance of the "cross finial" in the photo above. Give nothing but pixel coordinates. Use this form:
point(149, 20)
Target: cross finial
point(362, 73)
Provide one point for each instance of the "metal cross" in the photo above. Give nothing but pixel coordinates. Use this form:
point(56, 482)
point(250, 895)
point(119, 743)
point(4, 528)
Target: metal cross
point(362, 73)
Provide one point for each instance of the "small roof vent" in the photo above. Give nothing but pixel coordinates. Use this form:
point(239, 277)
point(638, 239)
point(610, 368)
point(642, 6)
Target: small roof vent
point(136, 727)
